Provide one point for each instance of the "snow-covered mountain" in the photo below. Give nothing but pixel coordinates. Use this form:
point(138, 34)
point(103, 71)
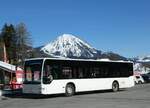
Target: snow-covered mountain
point(142, 64)
point(143, 58)
point(68, 45)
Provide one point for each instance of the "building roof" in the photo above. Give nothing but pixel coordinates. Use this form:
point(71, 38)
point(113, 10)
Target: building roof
point(8, 67)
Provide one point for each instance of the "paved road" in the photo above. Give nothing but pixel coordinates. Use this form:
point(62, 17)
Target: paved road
point(136, 97)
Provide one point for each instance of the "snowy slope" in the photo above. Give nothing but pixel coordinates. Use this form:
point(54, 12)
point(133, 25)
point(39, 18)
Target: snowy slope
point(143, 58)
point(142, 64)
point(68, 45)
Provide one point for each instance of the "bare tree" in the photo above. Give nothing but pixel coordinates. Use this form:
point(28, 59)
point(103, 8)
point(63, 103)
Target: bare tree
point(23, 41)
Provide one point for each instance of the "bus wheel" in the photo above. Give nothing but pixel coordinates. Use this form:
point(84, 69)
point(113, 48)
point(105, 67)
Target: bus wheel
point(115, 86)
point(140, 82)
point(70, 90)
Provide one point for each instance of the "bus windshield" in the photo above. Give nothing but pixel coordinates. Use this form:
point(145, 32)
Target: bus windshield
point(33, 71)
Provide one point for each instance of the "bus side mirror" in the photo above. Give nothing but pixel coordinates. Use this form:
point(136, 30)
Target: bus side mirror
point(50, 78)
point(47, 80)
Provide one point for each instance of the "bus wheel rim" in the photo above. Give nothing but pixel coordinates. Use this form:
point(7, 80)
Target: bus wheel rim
point(69, 90)
point(115, 86)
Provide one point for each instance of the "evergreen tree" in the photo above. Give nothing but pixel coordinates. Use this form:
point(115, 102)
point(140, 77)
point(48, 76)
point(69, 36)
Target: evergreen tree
point(8, 36)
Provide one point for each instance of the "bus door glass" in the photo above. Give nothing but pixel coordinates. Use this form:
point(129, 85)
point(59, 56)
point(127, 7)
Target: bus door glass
point(33, 71)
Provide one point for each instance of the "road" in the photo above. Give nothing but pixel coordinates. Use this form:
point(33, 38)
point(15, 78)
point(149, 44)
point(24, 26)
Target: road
point(136, 97)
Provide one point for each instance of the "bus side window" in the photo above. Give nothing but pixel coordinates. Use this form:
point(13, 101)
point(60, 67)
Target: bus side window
point(47, 74)
point(67, 72)
point(74, 72)
point(80, 73)
point(96, 72)
point(55, 72)
point(47, 70)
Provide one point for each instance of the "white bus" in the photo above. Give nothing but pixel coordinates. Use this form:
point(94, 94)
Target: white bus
point(54, 75)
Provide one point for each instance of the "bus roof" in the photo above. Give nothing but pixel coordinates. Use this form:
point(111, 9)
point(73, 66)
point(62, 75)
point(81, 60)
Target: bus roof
point(92, 60)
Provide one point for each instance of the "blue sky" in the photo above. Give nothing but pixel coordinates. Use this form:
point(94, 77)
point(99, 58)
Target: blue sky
point(121, 26)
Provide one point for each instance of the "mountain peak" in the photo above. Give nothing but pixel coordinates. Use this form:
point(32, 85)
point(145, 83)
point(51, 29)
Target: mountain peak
point(67, 36)
point(68, 45)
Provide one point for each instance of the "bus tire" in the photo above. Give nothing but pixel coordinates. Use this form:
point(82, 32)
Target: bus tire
point(70, 90)
point(115, 86)
point(140, 82)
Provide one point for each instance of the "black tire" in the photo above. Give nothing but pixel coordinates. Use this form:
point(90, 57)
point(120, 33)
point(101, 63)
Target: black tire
point(140, 82)
point(70, 90)
point(115, 86)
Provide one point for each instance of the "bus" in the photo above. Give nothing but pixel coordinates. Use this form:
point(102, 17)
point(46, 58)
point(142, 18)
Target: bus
point(55, 75)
